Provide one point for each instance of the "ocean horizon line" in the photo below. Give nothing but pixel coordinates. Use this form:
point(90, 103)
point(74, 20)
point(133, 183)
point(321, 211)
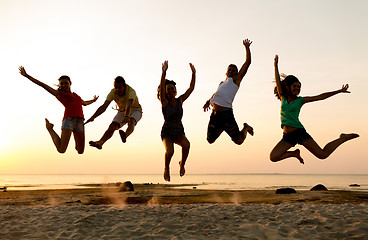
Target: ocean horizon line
point(4, 174)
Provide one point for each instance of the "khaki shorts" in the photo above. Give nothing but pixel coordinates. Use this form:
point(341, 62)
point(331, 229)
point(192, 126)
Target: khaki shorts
point(136, 114)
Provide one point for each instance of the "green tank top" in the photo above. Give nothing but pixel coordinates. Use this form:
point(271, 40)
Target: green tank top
point(290, 112)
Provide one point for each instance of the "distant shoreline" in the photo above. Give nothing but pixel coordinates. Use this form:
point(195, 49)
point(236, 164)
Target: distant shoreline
point(166, 194)
point(208, 182)
point(201, 186)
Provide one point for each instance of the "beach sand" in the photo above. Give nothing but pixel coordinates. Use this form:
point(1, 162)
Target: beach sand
point(159, 212)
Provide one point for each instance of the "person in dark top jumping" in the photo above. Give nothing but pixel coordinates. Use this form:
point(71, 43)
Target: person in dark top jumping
point(173, 131)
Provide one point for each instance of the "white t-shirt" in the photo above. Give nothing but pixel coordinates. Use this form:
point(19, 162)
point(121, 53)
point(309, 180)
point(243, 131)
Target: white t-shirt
point(225, 94)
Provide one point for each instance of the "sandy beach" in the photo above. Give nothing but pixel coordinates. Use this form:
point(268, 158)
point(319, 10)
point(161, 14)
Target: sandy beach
point(159, 212)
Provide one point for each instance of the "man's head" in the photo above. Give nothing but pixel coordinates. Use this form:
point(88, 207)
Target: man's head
point(232, 70)
point(120, 86)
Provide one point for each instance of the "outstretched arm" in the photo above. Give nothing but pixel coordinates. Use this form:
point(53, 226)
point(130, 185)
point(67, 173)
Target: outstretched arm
point(99, 111)
point(277, 76)
point(23, 72)
point(344, 89)
point(191, 86)
point(243, 70)
point(85, 103)
point(165, 66)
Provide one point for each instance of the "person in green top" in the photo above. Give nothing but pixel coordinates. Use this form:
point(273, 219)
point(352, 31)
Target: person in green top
point(288, 91)
point(129, 112)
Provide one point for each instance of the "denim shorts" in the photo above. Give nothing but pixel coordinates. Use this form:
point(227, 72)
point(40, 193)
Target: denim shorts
point(297, 136)
point(75, 124)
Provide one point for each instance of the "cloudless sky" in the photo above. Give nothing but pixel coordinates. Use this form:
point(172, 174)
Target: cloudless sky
point(323, 43)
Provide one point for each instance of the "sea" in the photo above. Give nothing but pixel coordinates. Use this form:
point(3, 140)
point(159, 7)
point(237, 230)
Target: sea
point(353, 182)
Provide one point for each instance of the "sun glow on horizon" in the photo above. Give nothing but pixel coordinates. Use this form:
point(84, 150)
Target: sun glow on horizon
point(93, 42)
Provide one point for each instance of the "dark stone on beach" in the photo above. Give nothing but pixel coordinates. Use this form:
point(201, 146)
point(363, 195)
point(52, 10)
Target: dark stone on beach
point(126, 186)
point(285, 191)
point(354, 185)
point(319, 187)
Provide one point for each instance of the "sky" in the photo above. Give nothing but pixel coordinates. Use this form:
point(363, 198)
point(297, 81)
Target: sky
point(323, 43)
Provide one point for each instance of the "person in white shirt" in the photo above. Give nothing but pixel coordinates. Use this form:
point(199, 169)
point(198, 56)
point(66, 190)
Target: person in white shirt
point(222, 117)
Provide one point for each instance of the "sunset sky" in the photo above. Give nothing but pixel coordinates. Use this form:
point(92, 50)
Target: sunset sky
point(323, 43)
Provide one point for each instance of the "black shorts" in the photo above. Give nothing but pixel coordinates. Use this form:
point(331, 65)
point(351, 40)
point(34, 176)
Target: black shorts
point(297, 136)
point(222, 121)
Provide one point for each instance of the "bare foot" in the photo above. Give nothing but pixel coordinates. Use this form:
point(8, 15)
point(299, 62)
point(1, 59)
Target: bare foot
point(347, 137)
point(182, 169)
point(48, 124)
point(95, 144)
point(249, 129)
point(122, 136)
point(167, 174)
point(297, 152)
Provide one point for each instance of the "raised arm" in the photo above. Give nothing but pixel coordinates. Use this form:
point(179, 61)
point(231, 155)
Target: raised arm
point(277, 76)
point(243, 70)
point(23, 72)
point(344, 89)
point(99, 111)
point(191, 86)
point(163, 99)
point(85, 103)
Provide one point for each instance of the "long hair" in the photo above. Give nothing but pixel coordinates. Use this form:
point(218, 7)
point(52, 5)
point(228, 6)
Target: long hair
point(166, 83)
point(62, 78)
point(286, 83)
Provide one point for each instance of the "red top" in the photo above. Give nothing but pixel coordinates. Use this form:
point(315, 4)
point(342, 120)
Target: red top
point(72, 103)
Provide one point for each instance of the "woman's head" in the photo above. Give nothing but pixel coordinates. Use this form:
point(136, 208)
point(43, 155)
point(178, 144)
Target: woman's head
point(64, 83)
point(290, 87)
point(170, 89)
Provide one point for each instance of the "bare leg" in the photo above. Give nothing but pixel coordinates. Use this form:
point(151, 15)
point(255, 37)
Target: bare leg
point(131, 126)
point(107, 135)
point(185, 144)
point(280, 152)
point(169, 147)
point(129, 130)
point(314, 148)
point(61, 143)
point(246, 129)
point(79, 139)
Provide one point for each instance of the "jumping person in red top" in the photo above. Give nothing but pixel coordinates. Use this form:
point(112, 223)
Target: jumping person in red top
point(73, 120)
